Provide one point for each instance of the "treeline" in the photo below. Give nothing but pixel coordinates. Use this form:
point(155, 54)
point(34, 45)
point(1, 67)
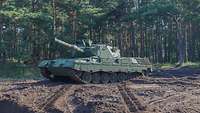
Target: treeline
point(166, 31)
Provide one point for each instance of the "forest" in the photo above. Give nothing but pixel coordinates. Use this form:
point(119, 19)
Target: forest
point(165, 31)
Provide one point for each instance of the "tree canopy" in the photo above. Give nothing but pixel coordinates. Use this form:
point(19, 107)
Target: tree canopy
point(166, 31)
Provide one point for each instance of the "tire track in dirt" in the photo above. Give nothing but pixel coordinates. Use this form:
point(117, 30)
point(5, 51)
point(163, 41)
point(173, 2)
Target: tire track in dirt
point(47, 104)
point(132, 102)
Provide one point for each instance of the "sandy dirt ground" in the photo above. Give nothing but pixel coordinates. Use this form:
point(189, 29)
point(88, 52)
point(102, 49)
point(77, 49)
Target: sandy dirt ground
point(154, 94)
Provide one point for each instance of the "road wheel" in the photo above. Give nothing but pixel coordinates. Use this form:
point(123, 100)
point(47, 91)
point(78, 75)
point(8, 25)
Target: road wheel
point(105, 77)
point(133, 75)
point(95, 78)
point(86, 77)
point(45, 73)
point(114, 78)
point(148, 72)
point(140, 75)
point(121, 76)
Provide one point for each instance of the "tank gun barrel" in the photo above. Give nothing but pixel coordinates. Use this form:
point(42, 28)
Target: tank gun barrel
point(69, 45)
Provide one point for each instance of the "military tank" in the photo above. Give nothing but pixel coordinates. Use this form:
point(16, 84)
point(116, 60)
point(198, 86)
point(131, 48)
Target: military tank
point(94, 63)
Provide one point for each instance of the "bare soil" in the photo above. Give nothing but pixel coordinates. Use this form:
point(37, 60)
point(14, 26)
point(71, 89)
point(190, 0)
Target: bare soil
point(175, 92)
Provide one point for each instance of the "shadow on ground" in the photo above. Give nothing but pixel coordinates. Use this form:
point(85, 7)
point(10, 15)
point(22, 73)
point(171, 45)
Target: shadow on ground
point(12, 107)
point(177, 72)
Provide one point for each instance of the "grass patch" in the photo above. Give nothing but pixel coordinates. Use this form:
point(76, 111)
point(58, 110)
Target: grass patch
point(191, 65)
point(164, 66)
point(18, 71)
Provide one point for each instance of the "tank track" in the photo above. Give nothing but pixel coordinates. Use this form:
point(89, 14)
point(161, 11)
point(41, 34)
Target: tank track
point(93, 77)
point(106, 77)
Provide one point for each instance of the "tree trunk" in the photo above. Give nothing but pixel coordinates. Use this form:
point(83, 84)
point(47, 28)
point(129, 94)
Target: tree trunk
point(54, 17)
point(141, 41)
point(181, 46)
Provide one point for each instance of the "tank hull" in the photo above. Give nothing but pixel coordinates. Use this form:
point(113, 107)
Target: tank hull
point(86, 71)
point(61, 74)
point(69, 74)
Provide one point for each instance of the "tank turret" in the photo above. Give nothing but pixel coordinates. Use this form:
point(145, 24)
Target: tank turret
point(89, 49)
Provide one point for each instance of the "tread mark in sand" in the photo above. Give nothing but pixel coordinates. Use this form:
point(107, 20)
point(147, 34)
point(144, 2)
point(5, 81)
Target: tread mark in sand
point(47, 104)
point(131, 100)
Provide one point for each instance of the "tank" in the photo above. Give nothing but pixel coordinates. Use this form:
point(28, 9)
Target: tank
point(94, 63)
